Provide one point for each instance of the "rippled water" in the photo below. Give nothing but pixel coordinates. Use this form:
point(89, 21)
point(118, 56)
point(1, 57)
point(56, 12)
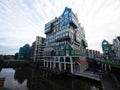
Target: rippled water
point(30, 79)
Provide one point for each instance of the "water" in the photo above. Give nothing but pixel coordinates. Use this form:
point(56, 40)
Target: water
point(30, 79)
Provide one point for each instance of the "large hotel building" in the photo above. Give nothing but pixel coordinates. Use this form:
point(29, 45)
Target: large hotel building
point(65, 44)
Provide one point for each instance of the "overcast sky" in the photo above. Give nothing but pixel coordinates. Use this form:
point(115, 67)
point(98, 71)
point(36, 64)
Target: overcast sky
point(22, 20)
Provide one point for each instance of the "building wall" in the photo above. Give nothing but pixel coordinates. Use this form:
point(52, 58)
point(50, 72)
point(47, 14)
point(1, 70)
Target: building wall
point(116, 48)
point(65, 31)
point(93, 53)
point(33, 49)
point(65, 38)
point(38, 48)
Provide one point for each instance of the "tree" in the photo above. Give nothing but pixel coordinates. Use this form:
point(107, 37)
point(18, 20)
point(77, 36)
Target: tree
point(16, 56)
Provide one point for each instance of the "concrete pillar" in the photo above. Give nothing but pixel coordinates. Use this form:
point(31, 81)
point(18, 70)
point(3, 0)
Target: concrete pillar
point(73, 67)
point(109, 67)
point(54, 63)
point(71, 62)
point(102, 66)
point(50, 64)
point(64, 64)
point(59, 63)
point(47, 64)
point(79, 69)
point(105, 67)
point(44, 63)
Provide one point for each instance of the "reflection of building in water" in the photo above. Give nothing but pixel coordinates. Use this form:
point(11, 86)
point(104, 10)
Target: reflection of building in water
point(21, 74)
point(2, 80)
point(65, 43)
point(0, 69)
point(42, 80)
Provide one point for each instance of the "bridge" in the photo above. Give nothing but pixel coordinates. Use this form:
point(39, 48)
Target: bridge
point(108, 62)
point(107, 65)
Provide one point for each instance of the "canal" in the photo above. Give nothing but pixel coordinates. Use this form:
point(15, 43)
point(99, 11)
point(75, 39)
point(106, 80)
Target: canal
point(31, 79)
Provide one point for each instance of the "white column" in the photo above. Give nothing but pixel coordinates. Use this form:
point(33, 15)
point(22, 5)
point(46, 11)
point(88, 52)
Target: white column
point(50, 64)
point(102, 66)
point(109, 68)
point(105, 67)
point(71, 62)
point(80, 68)
point(47, 63)
point(64, 64)
point(59, 63)
point(44, 63)
point(54, 62)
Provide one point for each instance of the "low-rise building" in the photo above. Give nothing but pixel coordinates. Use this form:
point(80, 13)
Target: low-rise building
point(93, 53)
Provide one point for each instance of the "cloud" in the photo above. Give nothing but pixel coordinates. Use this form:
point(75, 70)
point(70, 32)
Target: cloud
point(22, 20)
point(8, 49)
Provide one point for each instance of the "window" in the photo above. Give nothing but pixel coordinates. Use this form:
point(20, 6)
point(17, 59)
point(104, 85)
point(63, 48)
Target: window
point(69, 14)
point(67, 53)
point(66, 16)
point(66, 33)
point(61, 46)
point(67, 25)
point(62, 34)
point(60, 27)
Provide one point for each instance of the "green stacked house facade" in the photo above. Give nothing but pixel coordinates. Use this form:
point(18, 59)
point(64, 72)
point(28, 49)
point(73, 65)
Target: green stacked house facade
point(65, 44)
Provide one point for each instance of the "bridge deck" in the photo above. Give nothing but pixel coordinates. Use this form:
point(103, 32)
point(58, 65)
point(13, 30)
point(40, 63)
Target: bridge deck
point(108, 62)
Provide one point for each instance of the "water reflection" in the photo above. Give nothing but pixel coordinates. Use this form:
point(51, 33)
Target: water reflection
point(30, 79)
point(21, 74)
point(0, 69)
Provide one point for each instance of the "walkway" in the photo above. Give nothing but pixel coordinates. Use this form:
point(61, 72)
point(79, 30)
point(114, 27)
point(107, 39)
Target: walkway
point(89, 75)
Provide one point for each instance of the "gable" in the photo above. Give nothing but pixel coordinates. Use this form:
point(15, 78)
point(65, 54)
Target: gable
point(67, 46)
point(66, 16)
point(66, 11)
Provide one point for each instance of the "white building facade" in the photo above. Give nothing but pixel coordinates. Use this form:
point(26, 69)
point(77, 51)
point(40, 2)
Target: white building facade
point(39, 48)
